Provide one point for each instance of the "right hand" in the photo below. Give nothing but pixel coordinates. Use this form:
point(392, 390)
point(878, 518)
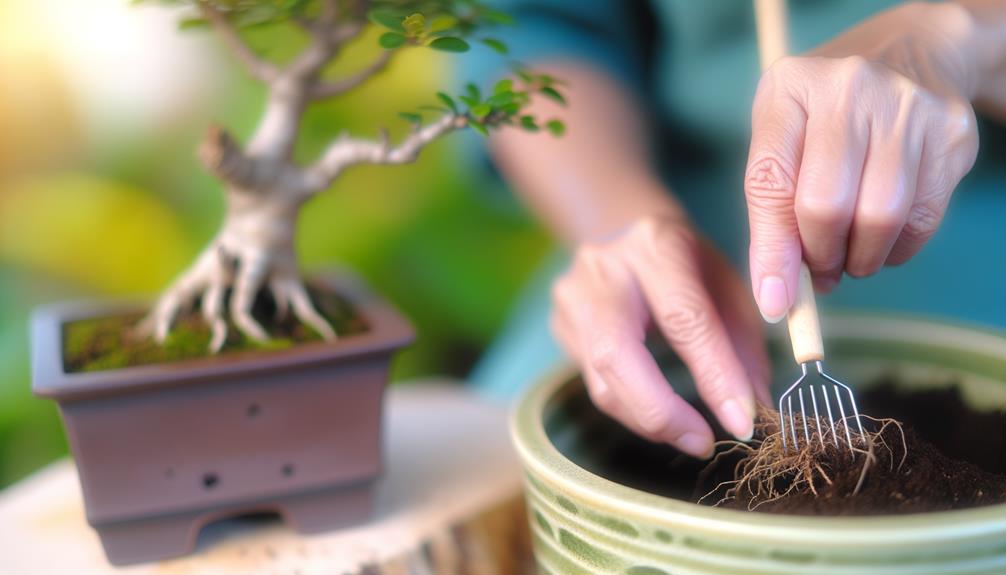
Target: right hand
point(660, 270)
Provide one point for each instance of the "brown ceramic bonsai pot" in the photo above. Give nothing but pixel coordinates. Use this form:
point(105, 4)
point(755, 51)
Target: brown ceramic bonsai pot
point(164, 449)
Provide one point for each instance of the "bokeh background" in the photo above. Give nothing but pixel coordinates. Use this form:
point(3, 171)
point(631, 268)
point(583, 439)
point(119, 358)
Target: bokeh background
point(101, 108)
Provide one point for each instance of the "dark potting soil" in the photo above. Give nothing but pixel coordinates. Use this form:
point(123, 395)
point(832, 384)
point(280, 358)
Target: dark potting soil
point(956, 459)
point(104, 343)
point(952, 458)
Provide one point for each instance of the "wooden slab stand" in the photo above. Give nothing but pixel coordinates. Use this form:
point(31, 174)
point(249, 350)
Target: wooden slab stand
point(449, 502)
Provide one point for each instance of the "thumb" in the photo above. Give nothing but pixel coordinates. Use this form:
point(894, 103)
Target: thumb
point(778, 126)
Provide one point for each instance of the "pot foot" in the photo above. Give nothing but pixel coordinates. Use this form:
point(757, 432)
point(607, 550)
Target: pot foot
point(327, 510)
point(148, 540)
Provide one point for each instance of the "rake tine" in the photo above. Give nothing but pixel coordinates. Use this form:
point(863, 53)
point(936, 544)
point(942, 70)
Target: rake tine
point(817, 417)
point(792, 425)
point(782, 427)
point(841, 409)
point(855, 410)
point(803, 413)
point(831, 419)
point(852, 400)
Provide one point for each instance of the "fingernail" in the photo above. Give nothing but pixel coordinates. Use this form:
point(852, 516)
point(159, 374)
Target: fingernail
point(773, 301)
point(737, 420)
point(695, 445)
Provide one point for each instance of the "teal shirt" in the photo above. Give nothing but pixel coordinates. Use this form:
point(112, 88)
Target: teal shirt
point(693, 65)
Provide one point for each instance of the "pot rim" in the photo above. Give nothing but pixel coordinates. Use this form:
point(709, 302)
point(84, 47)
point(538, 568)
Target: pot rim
point(539, 454)
point(387, 331)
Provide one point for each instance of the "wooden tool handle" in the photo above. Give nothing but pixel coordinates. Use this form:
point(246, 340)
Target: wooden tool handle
point(804, 325)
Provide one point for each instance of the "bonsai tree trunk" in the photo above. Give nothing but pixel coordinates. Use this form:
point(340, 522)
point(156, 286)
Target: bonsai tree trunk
point(265, 190)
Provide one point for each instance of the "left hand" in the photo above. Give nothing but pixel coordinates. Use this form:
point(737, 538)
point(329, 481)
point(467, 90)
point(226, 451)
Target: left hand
point(857, 148)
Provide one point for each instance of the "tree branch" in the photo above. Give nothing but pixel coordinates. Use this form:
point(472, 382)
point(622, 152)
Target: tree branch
point(324, 90)
point(224, 158)
point(345, 151)
point(256, 66)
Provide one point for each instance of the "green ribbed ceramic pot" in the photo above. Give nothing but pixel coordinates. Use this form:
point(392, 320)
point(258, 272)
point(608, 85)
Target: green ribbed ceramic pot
point(583, 521)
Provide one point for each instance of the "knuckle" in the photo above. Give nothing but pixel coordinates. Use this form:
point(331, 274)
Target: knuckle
point(654, 417)
point(857, 68)
point(603, 399)
point(562, 290)
point(770, 81)
point(665, 239)
point(589, 252)
point(825, 210)
point(923, 221)
point(647, 228)
point(880, 219)
point(687, 321)
point(785, 67)
point(962, 126)
point(769, 182)
point(603, 354)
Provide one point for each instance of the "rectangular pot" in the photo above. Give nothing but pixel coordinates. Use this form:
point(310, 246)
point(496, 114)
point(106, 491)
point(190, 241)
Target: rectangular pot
point(161, 450)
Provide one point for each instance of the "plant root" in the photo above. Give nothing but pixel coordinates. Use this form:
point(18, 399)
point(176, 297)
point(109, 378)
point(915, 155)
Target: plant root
point(767, 471)
point(244, 273)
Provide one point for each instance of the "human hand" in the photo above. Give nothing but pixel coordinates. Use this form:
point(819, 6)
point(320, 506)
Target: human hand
point(857, 148)
point(659, 270)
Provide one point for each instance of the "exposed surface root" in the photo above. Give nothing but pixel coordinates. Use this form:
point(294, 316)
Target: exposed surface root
point(767, 471)
point(242, 273)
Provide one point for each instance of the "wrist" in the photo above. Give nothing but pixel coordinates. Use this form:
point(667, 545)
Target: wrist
point(631, 200)
point(955, 51)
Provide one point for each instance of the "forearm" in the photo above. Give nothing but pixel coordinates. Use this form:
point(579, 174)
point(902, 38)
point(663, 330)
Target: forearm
point(989, 40)
point(597, 177)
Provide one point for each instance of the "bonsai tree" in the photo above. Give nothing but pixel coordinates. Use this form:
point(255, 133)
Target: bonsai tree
point(263, 186)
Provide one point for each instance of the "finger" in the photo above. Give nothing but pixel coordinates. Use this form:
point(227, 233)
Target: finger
point(742, 321)
point(827, 186)
point(608, 313)
point(599, 391)
point(777, 135)
point(686, 315)
point(887, 191)
point(948, 153)
point(613, 407)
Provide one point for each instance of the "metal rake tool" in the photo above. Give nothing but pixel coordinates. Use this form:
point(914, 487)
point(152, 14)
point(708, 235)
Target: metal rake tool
point(808, 349)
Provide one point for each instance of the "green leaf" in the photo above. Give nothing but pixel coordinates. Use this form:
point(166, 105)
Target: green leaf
point(391, 40)
point(556, 127)
point(442, 23)
point(387, 18)
point(524, 75)
point(449, 44)
point(410, 117)
point(482, 110)
point(414, 24)
point(503, 86)
point(511, 108)
point(496, 45)
point(479, 128)
point(547, 80)
point(497, 17)
point(448, 101)
point(552, 94)
point(501, 99)
point(473, 93)
point(528, 123)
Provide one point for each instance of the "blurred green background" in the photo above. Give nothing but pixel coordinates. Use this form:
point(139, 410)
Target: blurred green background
point(101, 195)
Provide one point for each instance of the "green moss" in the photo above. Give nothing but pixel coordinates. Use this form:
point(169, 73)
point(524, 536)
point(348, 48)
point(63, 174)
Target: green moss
point(106, 343)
